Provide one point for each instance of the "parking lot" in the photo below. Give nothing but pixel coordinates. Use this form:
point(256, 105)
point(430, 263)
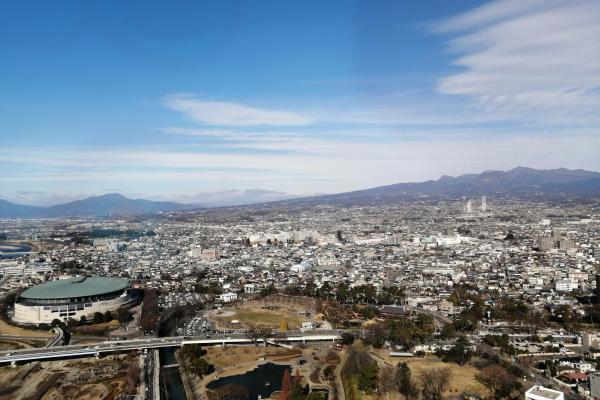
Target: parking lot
point(198, 326)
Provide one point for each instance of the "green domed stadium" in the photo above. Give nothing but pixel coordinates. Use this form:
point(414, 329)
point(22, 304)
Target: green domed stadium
point(71, 298)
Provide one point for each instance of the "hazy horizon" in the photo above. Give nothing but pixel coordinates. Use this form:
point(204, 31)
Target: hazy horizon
point(231, 197)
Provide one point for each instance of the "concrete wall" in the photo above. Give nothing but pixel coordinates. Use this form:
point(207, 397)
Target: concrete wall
point(45, 314)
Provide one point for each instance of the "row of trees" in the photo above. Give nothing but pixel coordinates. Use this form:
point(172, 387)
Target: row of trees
point(362, 294)
point(149, 318)
point(122, 315)
point(402, 331)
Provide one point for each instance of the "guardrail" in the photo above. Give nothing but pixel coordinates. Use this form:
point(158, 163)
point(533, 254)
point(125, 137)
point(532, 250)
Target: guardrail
point(97, 349)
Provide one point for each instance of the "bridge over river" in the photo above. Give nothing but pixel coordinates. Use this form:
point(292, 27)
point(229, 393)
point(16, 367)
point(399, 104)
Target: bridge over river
point(116, 346)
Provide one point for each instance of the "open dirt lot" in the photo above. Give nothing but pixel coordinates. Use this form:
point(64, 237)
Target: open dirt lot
point(11, 344)
point(266, 313)
point(96, 329)
point(86, 378)
point(223, 358)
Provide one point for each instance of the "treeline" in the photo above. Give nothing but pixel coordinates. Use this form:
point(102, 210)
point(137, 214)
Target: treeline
point(402, 331)
point(432, 382)
point(173, 317)
point(564, 315)
point(149, 318)
point(361, 294)
point(122, 315)
point(195, 363)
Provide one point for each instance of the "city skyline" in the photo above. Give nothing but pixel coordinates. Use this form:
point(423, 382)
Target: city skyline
point(167, 102)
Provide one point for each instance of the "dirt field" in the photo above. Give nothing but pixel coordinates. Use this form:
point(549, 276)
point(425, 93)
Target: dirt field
point(19, 344)
point(88, 379)
point(7, 329)
point(96, 391)
point(228, 357)
point(96, 329)
point(266, 313)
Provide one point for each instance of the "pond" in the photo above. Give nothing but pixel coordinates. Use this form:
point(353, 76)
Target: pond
point(263, 380)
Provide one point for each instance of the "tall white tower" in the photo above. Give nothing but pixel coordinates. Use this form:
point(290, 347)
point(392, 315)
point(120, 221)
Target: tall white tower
point(469, 207)
point(483, 204)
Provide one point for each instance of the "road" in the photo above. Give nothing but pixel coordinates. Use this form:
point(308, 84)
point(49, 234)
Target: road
point(97, 349)
point(439, 319)
point(532, 374)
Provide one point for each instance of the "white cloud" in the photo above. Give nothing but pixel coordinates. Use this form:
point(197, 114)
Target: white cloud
point(535, 59)
point(231, 114)
point(326, 166)
point(232, 135)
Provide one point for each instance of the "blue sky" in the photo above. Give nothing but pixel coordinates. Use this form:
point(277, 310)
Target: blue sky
point(173, 100)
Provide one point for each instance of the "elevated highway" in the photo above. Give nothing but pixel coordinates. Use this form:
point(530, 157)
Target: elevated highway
point(116, 346)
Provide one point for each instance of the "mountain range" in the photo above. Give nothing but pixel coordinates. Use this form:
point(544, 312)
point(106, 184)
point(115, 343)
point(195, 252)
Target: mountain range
point(518, 182)
point(96, 206)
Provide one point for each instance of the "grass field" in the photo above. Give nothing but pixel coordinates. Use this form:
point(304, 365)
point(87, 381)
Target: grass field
point(268, 318)
point(462, 380)
point(258, 317)
point(20, 344)
point(7, 329)
point(96, 329)
point(235, 355)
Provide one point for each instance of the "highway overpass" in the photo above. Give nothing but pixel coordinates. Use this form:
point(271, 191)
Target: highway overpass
point(116, 346)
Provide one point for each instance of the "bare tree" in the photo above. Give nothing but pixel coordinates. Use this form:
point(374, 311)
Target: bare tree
point(433, 382)
point(387, 380)
point(499, 382)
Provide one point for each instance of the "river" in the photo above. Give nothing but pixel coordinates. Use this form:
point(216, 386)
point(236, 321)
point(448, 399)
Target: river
point(170, 380)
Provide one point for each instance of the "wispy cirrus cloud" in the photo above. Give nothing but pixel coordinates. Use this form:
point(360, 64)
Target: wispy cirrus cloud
point(536, 59)
point(222, 113)
point(230, 134)
point(332, 166)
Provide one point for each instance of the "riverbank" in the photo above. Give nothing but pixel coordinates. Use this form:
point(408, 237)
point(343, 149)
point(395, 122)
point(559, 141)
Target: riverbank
point(172, 387)
point(185, 377)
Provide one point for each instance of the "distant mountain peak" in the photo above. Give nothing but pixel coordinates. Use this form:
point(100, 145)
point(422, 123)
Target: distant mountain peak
point(114, 195)
point(108, 204)
point(519, 182)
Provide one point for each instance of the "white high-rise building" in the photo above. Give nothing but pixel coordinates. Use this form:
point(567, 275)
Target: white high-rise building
point(483, 204)
point(468, 206)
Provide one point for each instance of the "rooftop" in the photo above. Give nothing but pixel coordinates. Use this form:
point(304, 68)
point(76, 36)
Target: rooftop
point(544, 392)
point(75, 287)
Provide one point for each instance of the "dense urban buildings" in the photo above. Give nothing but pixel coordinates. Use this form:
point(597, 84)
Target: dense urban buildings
point(513, 278)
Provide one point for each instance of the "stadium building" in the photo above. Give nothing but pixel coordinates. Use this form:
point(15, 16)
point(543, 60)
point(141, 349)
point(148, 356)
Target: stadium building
point(71, 298)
